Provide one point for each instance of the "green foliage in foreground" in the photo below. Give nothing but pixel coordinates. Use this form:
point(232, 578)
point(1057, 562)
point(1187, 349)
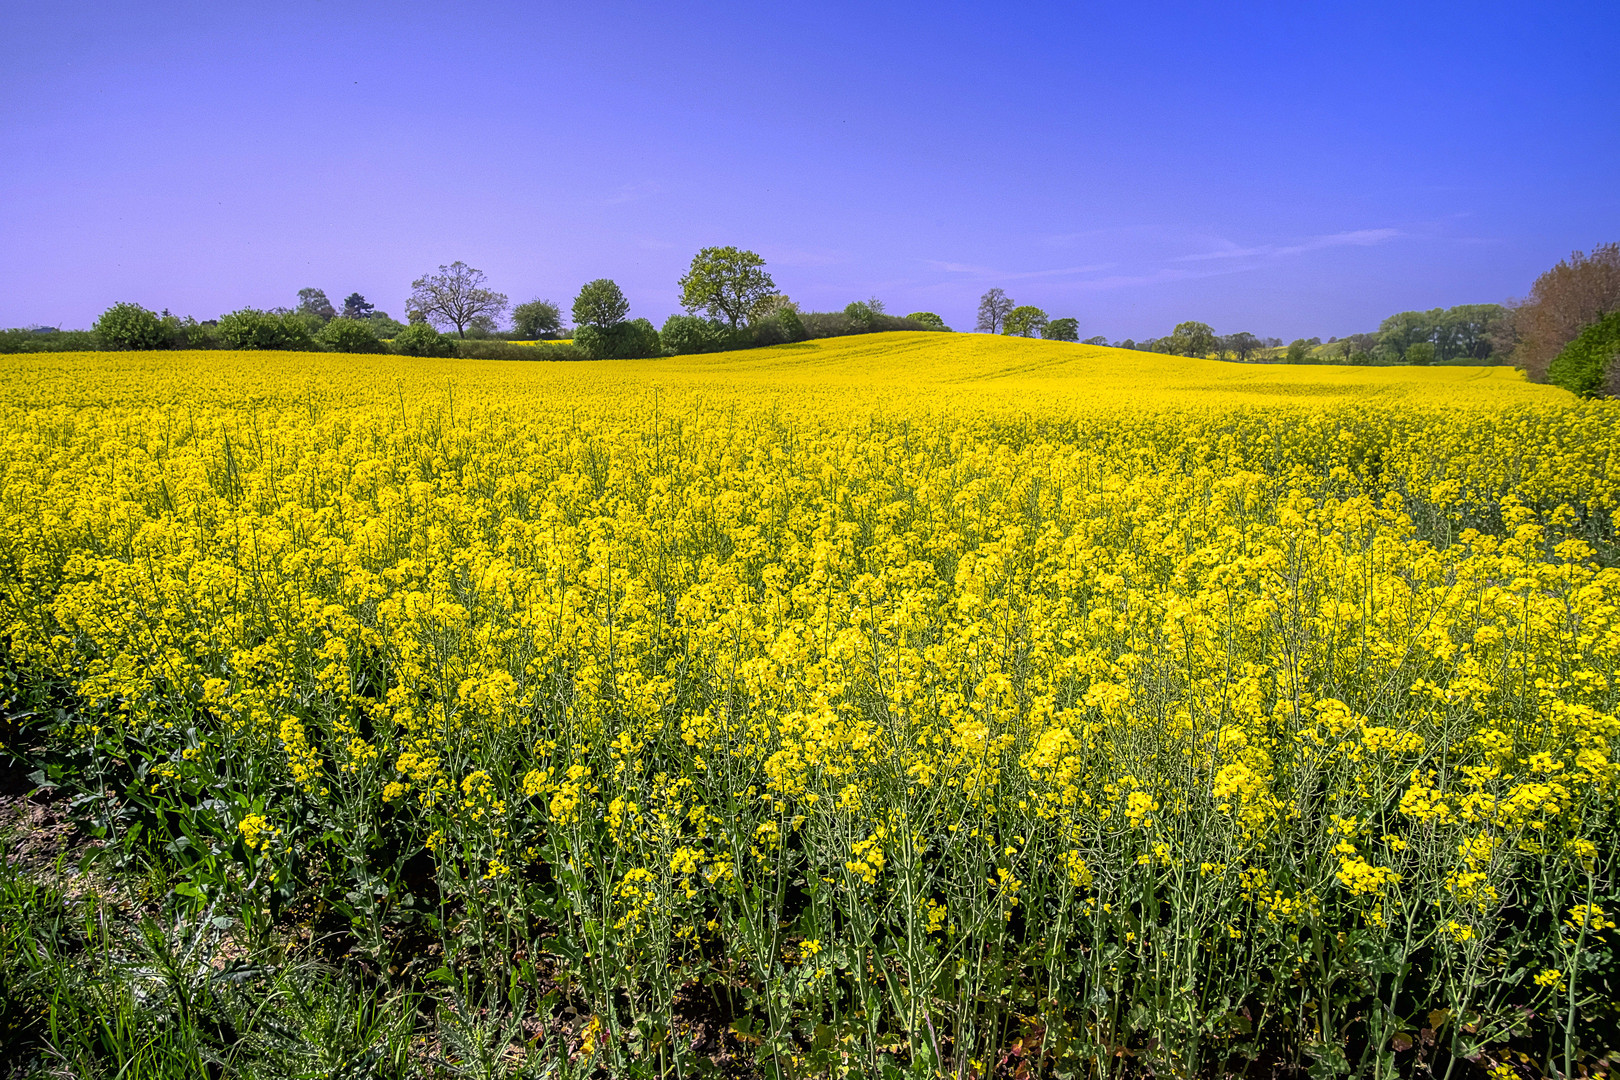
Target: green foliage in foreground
point(1589, 366)
point(929, 319)
point(810, 958)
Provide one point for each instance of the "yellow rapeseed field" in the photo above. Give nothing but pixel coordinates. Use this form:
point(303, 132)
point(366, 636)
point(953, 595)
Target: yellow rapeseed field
point(935, 703)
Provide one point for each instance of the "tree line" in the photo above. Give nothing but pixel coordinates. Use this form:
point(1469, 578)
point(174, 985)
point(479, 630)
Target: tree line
point(729, 299)
point(1470, 333)
point(1465, 334)
point(1566, 331)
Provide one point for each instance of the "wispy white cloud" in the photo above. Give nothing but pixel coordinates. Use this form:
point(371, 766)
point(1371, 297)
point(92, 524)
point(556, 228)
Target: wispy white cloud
point(1013, 275)
point(1353, 238)
point(624, 193)
point(957, 268)
point(1152, 264)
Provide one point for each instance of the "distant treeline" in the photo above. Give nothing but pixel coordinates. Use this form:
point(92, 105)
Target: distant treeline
point(1466, 334)
point(730, 302)
point(1566, 332)
point(1470, 334)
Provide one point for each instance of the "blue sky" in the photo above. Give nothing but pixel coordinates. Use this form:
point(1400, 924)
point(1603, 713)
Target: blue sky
point(1287, 169)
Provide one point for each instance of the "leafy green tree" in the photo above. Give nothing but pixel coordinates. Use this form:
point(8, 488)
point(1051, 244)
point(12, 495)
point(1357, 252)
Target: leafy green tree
point(130, 326)
point(1064, 329)
point(1406, 328)
point(1242, 345)
point(928, 318)
point(455, 296)
point(250, 328)
point(356, 306)
point(1589, 366)
point(726, 283)
point(536, 319)
point(600, 304)
point(420, 339)
point(1192, 339)
point(1101, 340)
point(1468, 331)
point(312, 303)
point(861, 316)
point(384, 324)
point(1026, 320)
point(349, 336)
point(994, 307)
point(1420, 353)
point(1299, 352)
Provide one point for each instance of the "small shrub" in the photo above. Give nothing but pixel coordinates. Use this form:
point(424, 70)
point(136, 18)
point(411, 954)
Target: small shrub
point(928, 319)
point(779, 329)
point(860, 316)
point(823, 324)
point(130, 326)
point(384, 324)
point(638, 338)
point(792, 324)
point(631, 340)
point(536, 319)
point(420, 339)
point(350, 336)
point(33, 341)
point(1420, 353)
point(251, 328)
point(683, 335)
point(1589, 366)
point(191, 334)
point(496, 349)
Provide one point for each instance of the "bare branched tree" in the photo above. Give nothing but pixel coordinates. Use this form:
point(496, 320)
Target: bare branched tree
point(994, 307)
point(455, 295)
point(1563, 302)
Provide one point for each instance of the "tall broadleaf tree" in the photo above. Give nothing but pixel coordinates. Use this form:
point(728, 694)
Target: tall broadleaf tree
point(726, 283)
point(536, 319)
point(1026, 320)
point(1192, 339)
point(600, 305)
point(313, 302)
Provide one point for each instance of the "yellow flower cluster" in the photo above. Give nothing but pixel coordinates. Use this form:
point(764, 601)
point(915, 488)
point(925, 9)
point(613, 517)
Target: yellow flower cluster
point(1007, 634)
